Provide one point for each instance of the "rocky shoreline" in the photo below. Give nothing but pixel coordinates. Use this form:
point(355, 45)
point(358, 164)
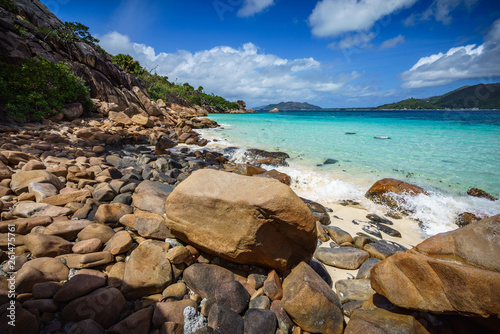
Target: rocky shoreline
point(125, 222)
point(108, 225)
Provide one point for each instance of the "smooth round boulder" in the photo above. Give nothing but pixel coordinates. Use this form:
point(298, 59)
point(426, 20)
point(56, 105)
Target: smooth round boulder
point(274, 227)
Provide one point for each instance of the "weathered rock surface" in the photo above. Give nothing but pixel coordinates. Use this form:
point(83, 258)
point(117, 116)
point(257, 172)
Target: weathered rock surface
point(171, 312)
point(22, 179)
point(350, 290)
point(259, 321)
point(342, 257)
point(310, 302)
point(457, 271)
point(274, 227)
point(40, 270)
point(233, 295)
point(104, 306)
point(225, 321)
point(204, 279)
point(379, 318)
point(137, 323)
point(150, 196)
point(383, 249)
point(41, 245)
point(147, 271)
point(84, 282)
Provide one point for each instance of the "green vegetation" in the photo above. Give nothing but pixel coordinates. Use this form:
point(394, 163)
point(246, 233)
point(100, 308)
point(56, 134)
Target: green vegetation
point(8, 5)
point(410, 103)
point(39, 88)
point(160, 88)
point(81, 31)
point(479, 96)
point(68, 34)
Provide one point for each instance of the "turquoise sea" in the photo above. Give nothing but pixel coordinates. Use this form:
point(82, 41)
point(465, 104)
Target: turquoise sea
point(446, 152)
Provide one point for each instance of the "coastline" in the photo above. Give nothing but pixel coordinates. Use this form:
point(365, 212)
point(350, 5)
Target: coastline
point(432, 214)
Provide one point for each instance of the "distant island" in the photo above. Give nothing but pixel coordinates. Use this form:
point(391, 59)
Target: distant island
point(467, 97)
point(290, 106)
point(481, 96)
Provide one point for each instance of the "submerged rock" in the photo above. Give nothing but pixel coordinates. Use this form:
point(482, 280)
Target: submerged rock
point(382, 191)
point(481, 194)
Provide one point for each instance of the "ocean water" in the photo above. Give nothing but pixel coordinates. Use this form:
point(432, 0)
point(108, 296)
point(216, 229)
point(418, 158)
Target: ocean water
point(445, 152)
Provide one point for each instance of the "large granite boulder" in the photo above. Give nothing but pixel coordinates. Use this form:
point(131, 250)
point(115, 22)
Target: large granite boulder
point(383, 191)
point(242, 219)
point(311, 303)
point(457, 271)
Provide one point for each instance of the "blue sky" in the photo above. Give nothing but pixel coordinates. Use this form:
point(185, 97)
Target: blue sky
point(332, 53)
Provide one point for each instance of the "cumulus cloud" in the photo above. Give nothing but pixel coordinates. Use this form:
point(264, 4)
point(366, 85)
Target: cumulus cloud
point(440, 10)
point(463, 62)
point(393, 42)
point(331, 18)
point(252, 7)
point(240, 73)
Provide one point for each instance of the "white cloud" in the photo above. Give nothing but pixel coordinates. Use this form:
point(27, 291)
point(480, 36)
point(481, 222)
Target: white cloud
point(331, 18)
point(243, 73)
point(393, 42)
point(361, 40)
point(463, 62)
point(440, 10)
point(252, 7)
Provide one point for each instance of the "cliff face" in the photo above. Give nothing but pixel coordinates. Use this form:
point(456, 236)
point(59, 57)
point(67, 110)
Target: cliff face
point(25, 34)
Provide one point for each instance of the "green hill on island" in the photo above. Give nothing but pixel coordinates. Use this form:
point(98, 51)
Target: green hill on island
point(291, 106)
point(467, 97)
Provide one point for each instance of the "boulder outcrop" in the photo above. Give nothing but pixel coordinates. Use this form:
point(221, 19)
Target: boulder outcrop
point(242, 219)
point(453, 272)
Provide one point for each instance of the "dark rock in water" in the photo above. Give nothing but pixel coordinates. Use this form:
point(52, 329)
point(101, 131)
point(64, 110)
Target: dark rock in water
point(349, 202)
point(330, 161)
point(379, 219)
point(384, 248)
point(373, 230)
point(387, 230)
point(382, 137)
point(350, 133)
point(480, 193)
point(466, 218)
point(393, 214)
point(383, 191)
point(265, 154)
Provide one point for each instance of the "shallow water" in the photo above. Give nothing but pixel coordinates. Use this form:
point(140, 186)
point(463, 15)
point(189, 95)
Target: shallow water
point(444, 152)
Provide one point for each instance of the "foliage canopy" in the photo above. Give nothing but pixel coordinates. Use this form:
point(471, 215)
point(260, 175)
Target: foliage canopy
point(40, 88)
point(159, 87)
